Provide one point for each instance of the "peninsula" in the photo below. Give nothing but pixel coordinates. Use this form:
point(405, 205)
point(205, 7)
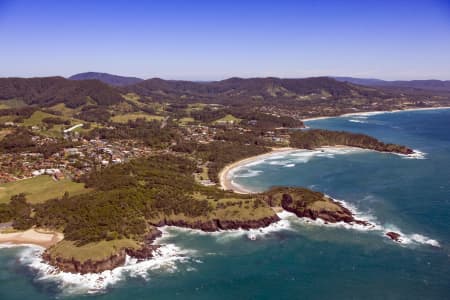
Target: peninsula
point(127, 203)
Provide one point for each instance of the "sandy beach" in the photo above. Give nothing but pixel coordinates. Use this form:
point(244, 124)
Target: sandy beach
point(32, 236)
point(375, 112)
point(224, 175)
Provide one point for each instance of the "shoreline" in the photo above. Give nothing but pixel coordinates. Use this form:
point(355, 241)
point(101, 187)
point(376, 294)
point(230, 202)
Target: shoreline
point(31, 237)
point(226, 183)
point(375, 112)
point(225, 175)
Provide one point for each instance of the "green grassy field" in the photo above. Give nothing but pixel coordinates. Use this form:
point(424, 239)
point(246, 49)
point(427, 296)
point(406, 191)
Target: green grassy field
point(228, 118)
point(94, 251)
point(12, 103)
point(66, 111)
point(132, 97)
point(133, 116)
point(244, 212)
point(40, 188)
point(186, 120)
point(56, 131)
point(36, 118)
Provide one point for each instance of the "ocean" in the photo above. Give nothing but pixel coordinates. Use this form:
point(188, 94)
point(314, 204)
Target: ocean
point(294, 259)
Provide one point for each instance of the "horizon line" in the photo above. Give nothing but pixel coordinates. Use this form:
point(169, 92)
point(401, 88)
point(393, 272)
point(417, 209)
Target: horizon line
point(226, 77)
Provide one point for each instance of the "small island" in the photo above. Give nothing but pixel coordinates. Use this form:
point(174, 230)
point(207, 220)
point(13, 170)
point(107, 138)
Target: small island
point(124, 205)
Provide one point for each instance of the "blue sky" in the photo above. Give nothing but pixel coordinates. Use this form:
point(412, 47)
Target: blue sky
point(210, 40)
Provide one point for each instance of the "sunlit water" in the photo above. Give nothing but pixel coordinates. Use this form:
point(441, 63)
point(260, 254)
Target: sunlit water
point(294, 260)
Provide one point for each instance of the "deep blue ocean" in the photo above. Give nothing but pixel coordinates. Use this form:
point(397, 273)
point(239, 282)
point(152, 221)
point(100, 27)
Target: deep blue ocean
point(294, 260)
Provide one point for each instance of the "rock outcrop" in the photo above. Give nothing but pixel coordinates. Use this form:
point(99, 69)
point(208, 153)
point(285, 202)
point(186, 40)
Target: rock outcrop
point(394, 236)
point(217, 224)
point(88, 266)
point(148, 248)
point(302, 210)
point(116, 260)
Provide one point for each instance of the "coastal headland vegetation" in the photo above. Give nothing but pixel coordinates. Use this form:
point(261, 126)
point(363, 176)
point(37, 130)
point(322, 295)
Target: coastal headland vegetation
point(149, 153)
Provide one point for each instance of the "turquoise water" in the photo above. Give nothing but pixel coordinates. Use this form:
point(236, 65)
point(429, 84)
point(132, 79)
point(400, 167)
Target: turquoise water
point(294, 260)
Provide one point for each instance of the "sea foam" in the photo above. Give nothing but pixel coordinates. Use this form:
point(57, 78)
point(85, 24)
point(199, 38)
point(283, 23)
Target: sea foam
point(373, 225)
point(167, 259)
point(357, 121)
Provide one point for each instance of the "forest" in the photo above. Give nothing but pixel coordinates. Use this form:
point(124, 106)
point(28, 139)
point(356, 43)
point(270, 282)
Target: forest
point(124, 199)
point(315, 138)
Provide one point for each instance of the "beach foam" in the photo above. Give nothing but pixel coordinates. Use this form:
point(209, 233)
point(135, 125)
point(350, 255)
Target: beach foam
point(248, 173)
point(293, 157)
point(289, 219)
point(374, 226)
point(167, 258)
point(357, 121)
point(416, 155)
point(290, 159)
point(366, 114)
point(224, 236)
point(11, 245)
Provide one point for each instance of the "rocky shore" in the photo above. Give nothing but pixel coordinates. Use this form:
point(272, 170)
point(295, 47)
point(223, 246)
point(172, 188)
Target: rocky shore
point(116, 260)
point(304, 203)
point(339, 213)
point(89, 266)
point(217, 225)
point(148, 247)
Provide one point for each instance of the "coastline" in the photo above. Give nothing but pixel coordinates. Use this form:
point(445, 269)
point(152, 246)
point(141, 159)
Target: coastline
point(31, 237)
point(376, 112)
point(226, 183)
point(225, 175)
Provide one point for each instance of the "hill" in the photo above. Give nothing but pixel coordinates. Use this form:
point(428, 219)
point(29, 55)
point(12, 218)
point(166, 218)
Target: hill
point(48, 91)
point(114, 80)
point(299, 98)
point(431, 85)
point(265, 90)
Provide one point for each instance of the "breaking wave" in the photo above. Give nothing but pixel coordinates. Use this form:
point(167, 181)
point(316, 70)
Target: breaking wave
point(290, 159)
point(248, 173)
point(288, 219)
point(415, 155)
point(167, 258)
point(373, 225)
point(223, 236)
point(357, 121)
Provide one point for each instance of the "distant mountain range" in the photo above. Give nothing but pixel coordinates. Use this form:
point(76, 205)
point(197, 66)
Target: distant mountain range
point(432, 84)
point(120, 81)
point(114, 80)
point(47, 91)
point(104, 89)
point(235, 90)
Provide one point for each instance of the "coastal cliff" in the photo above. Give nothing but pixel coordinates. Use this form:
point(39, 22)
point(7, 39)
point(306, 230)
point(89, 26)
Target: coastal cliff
point(218, 224)
point(74, 262)
point(89, 266)
point(305, 203)
point(131, 200)
point(145, 250)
